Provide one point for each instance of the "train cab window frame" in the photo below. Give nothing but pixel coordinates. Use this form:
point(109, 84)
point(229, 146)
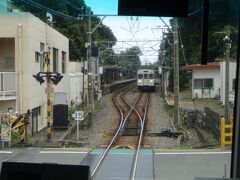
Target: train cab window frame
point(140, 76)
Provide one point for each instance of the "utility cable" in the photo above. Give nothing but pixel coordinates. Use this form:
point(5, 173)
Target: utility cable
point(72, 5)
point(194, 12)
point(44, 8)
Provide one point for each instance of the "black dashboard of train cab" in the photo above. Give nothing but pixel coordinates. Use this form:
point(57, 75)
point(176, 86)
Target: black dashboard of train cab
point(43, 171)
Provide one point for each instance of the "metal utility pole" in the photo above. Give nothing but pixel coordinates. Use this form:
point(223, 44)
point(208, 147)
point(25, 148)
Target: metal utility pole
point(89, 70)
point(163, 79)
point(227, 42)
point(176, 73)
point(89, 66)
point(163, 71)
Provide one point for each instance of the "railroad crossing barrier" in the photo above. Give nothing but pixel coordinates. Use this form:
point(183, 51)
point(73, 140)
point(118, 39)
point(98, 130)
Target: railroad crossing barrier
point(226, 132)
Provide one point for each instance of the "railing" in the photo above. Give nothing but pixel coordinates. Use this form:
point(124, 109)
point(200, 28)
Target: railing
point(8, 89)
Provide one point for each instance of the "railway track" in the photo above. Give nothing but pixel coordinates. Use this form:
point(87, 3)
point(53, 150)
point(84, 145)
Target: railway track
point(130, 130)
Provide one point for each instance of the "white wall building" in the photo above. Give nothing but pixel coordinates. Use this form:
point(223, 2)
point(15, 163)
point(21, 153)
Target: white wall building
point(205, 80)
point(208, 81)
point(232, 77)
point(75, 81)
point(23, 37)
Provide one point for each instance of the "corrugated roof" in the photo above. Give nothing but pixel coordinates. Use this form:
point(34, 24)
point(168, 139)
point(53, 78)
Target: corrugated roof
point(200, 66)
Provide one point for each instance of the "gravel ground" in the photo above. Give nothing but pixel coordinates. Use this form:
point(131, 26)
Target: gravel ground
point(191, 138)
point(159, 120)
point(186, 102)
point(103, 124)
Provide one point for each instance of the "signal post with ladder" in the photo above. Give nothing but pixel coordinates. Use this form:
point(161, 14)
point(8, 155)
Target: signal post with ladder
point(51, 77)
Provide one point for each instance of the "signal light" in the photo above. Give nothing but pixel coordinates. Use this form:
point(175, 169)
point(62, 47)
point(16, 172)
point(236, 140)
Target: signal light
point(39, 78)
point(56, 78)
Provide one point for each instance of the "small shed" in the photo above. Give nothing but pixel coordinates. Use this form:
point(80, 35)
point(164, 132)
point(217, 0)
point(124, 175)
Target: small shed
point(206, 82)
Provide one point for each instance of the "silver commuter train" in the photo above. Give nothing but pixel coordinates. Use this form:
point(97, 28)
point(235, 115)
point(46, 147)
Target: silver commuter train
point(145, 80)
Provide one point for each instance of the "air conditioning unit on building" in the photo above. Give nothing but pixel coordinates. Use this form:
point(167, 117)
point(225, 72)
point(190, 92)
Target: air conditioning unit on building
point(196, 95)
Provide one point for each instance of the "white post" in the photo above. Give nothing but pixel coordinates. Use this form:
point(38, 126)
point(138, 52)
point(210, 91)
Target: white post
point(77, 129)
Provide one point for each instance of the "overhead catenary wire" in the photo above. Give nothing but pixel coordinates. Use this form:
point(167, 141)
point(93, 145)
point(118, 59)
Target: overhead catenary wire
point(73, 6)
point(180, 37)
point(54, 12)
point(60, 14)
point(169, 28)
point(134, 28)
point(194, 12)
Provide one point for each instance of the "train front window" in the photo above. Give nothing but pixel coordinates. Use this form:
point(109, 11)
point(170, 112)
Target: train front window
point(140, 76)
point(153, 94)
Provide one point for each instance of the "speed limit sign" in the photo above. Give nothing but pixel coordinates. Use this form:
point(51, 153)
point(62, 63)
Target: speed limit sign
point(78, 115)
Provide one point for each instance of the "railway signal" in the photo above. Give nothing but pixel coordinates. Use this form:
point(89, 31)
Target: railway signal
point(39, 78)
point(55, 77)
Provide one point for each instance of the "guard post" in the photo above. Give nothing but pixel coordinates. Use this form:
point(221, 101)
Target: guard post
point(226, 132)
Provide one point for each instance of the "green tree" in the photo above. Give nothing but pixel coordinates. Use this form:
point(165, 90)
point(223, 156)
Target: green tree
point(130, 58)
point(74, 29)
point(222, 17)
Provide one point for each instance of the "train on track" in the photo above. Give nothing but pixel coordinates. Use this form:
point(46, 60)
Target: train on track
point(145, 80)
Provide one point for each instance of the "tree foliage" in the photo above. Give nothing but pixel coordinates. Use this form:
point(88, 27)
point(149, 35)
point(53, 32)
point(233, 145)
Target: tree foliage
point(222, 18)
point(75, 30)
point(130, 58)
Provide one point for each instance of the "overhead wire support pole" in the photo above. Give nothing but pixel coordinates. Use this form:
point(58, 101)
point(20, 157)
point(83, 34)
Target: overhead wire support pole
point(89, 69)
point(176, 73)
point(90, 99)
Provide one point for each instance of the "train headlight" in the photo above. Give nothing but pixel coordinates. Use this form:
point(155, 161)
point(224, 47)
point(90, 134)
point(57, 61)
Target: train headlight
point(139, 80)
point(151, 80)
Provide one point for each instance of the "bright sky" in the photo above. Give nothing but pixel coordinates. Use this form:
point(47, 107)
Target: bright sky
point(144, 32)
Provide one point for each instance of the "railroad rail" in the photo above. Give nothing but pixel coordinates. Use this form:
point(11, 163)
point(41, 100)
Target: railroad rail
point(127, 117)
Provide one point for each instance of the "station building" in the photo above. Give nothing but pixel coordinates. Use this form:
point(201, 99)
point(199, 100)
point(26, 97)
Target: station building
point(23, 38)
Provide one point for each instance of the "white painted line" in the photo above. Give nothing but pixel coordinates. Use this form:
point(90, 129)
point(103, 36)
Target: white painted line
point(191, 153)
point(5, 152)
point(63, 152)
